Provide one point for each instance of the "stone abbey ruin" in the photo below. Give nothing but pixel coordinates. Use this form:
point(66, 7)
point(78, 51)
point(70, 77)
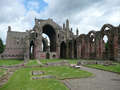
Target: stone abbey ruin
point(63, 43)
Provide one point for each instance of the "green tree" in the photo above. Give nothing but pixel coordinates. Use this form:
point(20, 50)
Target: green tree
point(1, 46)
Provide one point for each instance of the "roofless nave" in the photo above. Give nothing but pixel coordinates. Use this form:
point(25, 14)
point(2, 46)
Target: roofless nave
point(63, 43)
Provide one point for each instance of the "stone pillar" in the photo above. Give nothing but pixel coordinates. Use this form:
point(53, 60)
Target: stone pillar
point(72, 48)
point(67, 49)
point(111, 48)
point(63, 26)
point(27, 51)
point(101, 48)
point(9, 28)
point(118, 57)
point(115, 44)
point(77, 32)
point(58, 51)
point(38, 47)
point(67, 29)
point(88, 49)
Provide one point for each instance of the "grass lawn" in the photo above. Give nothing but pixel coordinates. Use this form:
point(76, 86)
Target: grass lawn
point(10, 62)
point(32, 62)
point(21, 79)
point(72, 61)
point(2, 71)
point(113, 68)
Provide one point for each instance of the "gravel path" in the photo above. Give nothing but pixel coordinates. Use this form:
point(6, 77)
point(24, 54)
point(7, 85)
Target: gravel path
point(102, 80)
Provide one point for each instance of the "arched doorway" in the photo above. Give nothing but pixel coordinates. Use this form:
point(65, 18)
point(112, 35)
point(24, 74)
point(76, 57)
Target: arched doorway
point(75, 49)
point(31, 54)
point(105, 53)
point(108, 36)
point(109, 49)
point(63, 50)
point(70, 49)
point(50, 32)
point(44, 45)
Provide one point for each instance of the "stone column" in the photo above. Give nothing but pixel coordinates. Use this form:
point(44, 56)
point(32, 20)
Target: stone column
point(118, 57)
point(27, 51)
point(58, 51)
point(67, 49)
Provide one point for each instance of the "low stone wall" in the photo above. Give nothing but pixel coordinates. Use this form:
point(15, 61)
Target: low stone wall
point(61, 63)
point(95, 62)
point(2, 56)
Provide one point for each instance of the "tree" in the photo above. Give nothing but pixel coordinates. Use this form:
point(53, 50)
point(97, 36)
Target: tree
point(1, 46)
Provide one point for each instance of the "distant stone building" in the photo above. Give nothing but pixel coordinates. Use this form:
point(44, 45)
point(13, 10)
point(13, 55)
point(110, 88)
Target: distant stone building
point(63, 43)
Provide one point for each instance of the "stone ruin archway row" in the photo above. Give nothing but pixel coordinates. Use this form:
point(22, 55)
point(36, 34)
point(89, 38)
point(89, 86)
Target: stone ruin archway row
point(81, 46)
point(96, 48)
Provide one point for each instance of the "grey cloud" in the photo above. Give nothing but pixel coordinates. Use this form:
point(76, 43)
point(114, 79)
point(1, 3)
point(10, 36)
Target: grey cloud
point(11, 10)
point(84, 14)
point(64, 7)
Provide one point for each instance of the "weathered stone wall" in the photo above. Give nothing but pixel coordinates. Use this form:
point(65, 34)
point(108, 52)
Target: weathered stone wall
point(14, 45)
point(64, 44)
point(93, 46)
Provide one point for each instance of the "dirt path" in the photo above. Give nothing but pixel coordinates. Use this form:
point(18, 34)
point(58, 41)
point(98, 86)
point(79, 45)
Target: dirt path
point(102, 81)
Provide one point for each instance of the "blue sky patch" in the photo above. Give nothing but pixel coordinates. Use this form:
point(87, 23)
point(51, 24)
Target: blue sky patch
point(37, 5)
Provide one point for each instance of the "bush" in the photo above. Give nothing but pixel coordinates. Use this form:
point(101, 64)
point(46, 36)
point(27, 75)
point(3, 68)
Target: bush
point(1, 46)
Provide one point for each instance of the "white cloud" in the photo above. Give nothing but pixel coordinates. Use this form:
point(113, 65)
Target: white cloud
point(85, 14)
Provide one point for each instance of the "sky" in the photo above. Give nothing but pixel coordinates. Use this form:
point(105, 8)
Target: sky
point(86, 15)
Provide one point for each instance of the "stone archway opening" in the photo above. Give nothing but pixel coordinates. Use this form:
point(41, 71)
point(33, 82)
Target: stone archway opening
point(50, 32)
point(31, 54)
point(45, 43)
point(63, 50)
point(109, 49)
point(70, 49)
point(106, 46)
point(75, 49)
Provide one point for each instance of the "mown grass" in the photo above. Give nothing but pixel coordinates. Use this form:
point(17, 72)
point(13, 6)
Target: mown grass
point(2, 71)
point(71, 61)
point(10, 62)
point(32, 63)
point(43, 61)
point(113, 68)
point(21, 79)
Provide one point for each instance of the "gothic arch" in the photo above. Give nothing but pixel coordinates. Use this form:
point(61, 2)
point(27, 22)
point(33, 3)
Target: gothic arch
point(50, 31)
point(31, 50)
point(63, 50)
point(92, 31)
point(105, 26)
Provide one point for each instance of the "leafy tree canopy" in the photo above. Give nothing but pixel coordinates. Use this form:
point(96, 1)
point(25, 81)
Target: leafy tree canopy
point(1, 46)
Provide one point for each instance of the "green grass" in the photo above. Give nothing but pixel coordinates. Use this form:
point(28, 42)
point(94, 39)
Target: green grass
point(71, 61)
point(32, 63)
point(49, 60)
point(2, 71)
point(113, 68)
point(21, 79)
point(10, 62)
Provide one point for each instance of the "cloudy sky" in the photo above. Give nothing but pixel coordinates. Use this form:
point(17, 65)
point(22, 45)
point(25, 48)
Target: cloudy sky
point(85, 15)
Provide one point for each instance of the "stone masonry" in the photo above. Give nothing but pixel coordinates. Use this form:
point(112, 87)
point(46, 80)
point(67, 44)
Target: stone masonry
point(63, 43)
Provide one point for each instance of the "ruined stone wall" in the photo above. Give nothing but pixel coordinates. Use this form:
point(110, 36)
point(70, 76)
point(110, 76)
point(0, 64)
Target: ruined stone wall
point(14, 45)
point(87, 46)
point(93, 46)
